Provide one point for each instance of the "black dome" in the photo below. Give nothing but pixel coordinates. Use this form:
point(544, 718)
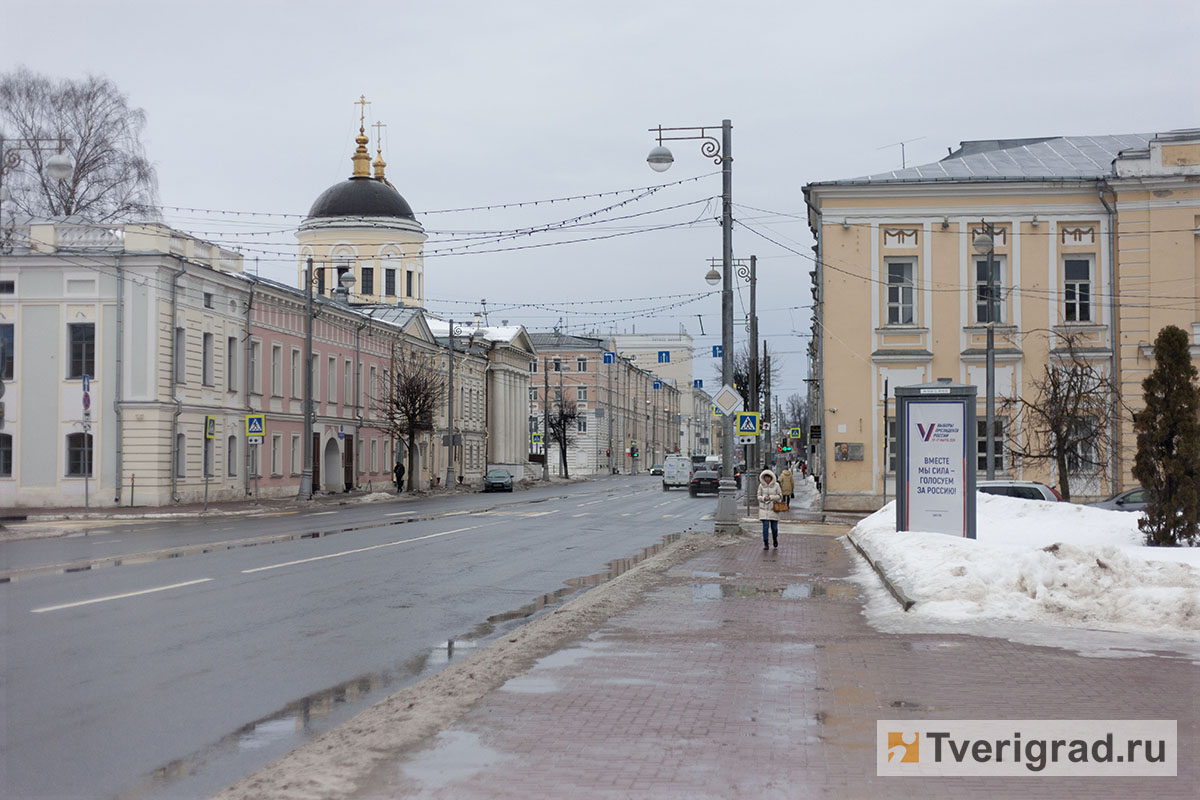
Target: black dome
point(361, 197)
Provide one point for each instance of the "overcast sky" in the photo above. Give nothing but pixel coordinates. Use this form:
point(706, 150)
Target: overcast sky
point(251, 109)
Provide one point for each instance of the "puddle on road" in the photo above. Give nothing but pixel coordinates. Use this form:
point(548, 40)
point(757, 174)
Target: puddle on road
point(702, 592)
point(453, 756)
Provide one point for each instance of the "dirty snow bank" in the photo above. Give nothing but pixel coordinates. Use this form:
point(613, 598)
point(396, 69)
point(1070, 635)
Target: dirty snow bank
point(1054, 563)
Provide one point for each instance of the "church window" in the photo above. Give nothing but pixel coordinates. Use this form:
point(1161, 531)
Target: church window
point(368, 280)
point(409, 288)
point(389, 282)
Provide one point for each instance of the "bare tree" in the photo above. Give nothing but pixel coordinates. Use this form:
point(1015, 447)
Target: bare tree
point(407, 403)
point(112, 181)
point(741, 375)
point(563, 423)
point(1065, 422)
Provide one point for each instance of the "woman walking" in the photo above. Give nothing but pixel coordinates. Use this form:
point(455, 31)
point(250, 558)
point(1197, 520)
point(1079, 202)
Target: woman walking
point(787, 486)
point(769, 494)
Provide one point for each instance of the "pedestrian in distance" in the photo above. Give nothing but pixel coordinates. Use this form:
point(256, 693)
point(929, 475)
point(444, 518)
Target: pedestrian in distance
point(398, 471)
point(770, 502)
point(787, 486)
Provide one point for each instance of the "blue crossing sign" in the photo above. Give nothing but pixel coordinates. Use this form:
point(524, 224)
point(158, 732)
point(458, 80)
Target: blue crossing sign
point(255, 424)
point(747, 423)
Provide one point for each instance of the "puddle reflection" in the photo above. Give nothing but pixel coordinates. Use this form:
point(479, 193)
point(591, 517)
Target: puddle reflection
point(792, 591)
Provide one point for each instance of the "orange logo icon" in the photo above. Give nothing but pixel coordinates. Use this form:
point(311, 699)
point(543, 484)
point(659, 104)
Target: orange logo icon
point(903, 747)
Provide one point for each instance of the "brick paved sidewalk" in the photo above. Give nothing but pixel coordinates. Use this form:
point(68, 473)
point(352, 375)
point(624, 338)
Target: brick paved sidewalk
point(752, 674)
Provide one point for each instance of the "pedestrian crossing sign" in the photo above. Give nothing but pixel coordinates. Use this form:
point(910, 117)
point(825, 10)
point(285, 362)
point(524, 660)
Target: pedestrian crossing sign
point(794, 433)
point(747, 423)
point(255, 424)
point(535, 438)
point(210, 427)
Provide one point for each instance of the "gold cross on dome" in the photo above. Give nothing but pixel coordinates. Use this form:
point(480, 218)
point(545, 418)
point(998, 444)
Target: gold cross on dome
point(379, 133)
point(362, 116)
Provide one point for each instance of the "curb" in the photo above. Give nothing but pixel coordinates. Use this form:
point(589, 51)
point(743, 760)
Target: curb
point(904, 600)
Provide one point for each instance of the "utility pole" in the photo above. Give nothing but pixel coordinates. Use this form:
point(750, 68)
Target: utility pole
point(767, 401)
point(306, 487)
point(755, 455)
point(450, 412)
point(610, 415)
point(546, 419)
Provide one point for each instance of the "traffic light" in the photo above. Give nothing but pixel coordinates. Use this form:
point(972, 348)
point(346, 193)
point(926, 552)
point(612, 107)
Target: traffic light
point(633, 451)
point(608, 452)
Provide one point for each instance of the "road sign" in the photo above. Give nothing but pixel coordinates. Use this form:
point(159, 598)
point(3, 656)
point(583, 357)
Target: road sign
point(255, 424)
point(87, 383)
point(747, 439)
point(717, 412)
point(728, 400)
point(793, 433)
point(87, 402)
point(210, 427)
point(658, 384)
point(664, 356)
point(814, 433)
point(717, 351)
point(698, 384)
point(610, 358)
point(535, 438)
point(254, 440)
point(747, 423)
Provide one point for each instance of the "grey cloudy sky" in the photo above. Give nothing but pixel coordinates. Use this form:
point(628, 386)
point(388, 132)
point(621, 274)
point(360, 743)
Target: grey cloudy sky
point(250, 108)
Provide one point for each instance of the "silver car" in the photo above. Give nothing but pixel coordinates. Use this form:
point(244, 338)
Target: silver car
point(1025, 490)
point(1128, 500)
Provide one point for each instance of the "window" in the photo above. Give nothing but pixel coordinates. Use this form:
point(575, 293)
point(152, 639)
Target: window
point(373, 382)
point(891, 444)
point(1077, 289)
point(316, 377)
point(79, 454)
point(255, 370)
point(409, 281)
point(296, 454)
point(8, 352)
point(999, 426)
point(231, 351)
point(982, 316)
point(581, 424)
point(533, 394)
point(331, 383)
point(207, 354)
point(581, 393)
point(374, 455)
point(533, 366)
point(581, 364)
point(347, 386)
point(231, 459)
point(368, 280)
point(276, 454)
point(276, 370)
point(8, 287)
point(558, 394)
point(1084, 456)
point(389, 282)
point(5, 455)
point(320, 280)
point(83, 349)
point(180, 455)
point(255, 472)
point(557, 364)
point(180, 355)
point(208, 299)
point(297, 374)
point(900, 293)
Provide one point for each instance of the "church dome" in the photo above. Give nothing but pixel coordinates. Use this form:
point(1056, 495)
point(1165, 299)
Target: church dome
point(361, 196)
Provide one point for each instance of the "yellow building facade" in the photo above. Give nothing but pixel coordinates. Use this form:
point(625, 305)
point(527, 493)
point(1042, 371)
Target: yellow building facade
point(1094, 249)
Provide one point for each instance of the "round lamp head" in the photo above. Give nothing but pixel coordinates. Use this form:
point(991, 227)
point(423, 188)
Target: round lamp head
point(60, 166)
point(660, 159)
point(982, 243)
point(713, 277)
point(347, 280)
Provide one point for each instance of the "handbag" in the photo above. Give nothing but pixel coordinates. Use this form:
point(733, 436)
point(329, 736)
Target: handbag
point(779, 507)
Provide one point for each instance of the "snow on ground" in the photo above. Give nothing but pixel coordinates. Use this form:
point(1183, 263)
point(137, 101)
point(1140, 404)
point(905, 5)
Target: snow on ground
point(1052, 563)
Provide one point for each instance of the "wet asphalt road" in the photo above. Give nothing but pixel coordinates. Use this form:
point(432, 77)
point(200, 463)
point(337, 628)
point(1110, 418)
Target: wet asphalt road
point(176, 677)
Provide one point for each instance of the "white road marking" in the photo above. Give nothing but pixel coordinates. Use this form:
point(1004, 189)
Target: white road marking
point(363, 549)
point(400, 514)
point(118, 596)
point(321, 513)
point(584, 514)
point(581, 505)
point(660, 505)
point(669, 516)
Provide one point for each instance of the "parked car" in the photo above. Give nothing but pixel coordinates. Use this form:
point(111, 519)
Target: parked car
point(677, 471)
point(1128, 500)
point(1025, 490)
point(704, 480)
point(657, 469)
point(497, 480)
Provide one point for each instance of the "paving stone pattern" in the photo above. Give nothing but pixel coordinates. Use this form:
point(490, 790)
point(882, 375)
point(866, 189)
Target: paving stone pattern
point(752, 674)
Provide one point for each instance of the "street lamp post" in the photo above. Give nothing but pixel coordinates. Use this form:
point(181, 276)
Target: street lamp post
point(660, 159)
point(58, 166)
point(985, 243)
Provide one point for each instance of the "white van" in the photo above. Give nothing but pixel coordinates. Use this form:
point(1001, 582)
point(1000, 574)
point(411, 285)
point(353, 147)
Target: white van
point(677, 471)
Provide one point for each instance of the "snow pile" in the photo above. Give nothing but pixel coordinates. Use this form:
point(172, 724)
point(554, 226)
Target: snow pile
point(375, 497)
point(1054, 563)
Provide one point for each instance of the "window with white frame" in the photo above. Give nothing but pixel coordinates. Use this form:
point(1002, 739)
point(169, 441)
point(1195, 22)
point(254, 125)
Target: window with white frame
point(1077, 289)
point(255, 369)
point(255, 471)
point(1084, 456)
point(347, 386)
point(231, 456)
point(581, 424)
point(581, 364)
point(900, 292)
point(296, 453)
point(891, 444)
point(297, 372)
point(982, 291)
point(79, 454)
point(276, 370)
point(180, 455)
point(374, 455)
point(180, 355)
point(581, 393)
point(83, 349)
point(231, 361)
point(331, 382)
point(999, 440)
